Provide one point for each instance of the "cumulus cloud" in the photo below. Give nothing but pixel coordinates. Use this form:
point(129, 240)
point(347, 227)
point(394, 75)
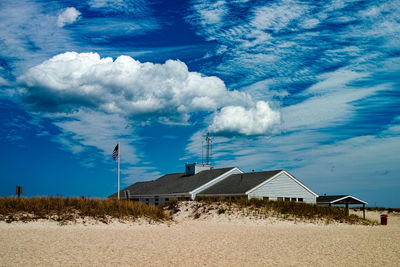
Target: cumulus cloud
point(167, 92)
point(253, 121)
point(68, 16)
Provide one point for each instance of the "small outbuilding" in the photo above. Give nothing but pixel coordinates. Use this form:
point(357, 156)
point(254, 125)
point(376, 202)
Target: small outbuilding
point(341, 200)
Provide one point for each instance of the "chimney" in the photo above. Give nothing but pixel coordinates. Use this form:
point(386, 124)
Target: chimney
point(194, 168)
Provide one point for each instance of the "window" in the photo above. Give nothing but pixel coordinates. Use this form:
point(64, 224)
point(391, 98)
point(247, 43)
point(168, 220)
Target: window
point(300, 199)
point(265, 198)
point(147, 201)
point(167, 199)
point(135, 199)
point(293, 199)
point(287, 198)
point(280, 198)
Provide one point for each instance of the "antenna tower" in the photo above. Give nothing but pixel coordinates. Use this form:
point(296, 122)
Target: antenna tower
point(202, 152)
point(209, 149)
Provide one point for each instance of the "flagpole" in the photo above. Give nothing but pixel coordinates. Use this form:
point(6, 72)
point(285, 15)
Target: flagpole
point(119, 155)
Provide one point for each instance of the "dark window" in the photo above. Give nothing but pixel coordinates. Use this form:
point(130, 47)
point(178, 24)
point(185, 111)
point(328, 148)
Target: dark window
point(265, 198)
point(280, 198)
point(167, 199)
point(300, 199)
point(293, 199)
point(287, 198)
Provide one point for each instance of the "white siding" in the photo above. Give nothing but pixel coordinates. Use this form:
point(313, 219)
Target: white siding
point(283, 186)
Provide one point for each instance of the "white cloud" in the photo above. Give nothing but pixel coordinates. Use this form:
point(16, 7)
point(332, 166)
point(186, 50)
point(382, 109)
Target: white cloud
point(138, 174)
point(166, 92)
point(99, 29)
point(135, 7)
point(310, 23)
point(3, 81)
point(210, 13)
point(86, 128)
point(29, 33)
point(257, 120)
point(68, 16)
point(277, 16)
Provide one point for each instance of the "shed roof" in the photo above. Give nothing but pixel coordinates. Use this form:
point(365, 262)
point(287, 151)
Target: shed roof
point(174, 183)
point(239, 183)
point(339, 199)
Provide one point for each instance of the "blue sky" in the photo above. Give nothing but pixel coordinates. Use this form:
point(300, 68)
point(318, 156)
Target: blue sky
point(310, 87)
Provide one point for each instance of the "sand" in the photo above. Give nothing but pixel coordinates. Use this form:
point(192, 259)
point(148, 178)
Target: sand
point(215, 241)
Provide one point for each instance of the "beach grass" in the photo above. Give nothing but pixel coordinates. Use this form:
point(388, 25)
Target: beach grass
point(380, 209)
point(69, 209)
point(287, 209)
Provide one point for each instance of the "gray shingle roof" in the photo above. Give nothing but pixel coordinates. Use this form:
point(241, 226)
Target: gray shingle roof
point(174, 183)
point(239, 183)
point(334, 199)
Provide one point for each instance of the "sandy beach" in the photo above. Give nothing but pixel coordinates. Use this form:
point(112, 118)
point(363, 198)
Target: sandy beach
point(215, 241)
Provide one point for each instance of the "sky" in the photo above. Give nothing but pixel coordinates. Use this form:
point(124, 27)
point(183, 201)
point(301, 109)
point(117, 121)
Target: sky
point(312, 87)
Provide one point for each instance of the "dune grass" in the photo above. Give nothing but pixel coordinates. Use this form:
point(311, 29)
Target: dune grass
point(288, 210)
point(65, 210)
point(70, 209)
point(380, 209)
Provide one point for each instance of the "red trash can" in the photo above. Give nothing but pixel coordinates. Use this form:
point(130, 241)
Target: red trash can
point(384, 219)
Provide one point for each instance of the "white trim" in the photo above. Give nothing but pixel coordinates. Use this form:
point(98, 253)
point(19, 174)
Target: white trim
point(195, 191)
point(336, 200)
point(276, 175)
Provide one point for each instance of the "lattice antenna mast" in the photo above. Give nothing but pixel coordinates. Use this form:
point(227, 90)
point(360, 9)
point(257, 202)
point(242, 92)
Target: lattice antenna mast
point(202, 152)
point(209, 149)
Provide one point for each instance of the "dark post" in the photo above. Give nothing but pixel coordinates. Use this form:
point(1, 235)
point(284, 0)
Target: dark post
point(347, 209)
point(364, 211)
point(19, 191)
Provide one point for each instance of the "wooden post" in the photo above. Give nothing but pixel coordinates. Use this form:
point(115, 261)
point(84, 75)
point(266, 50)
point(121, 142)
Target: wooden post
point(347, 209)
point(364, 211)
point(19, 191)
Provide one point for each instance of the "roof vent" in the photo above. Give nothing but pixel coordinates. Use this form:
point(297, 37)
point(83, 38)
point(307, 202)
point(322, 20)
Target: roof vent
point(194, 168)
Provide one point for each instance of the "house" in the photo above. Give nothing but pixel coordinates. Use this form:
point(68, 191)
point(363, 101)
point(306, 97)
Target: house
point(271, 185)
point(204, 180)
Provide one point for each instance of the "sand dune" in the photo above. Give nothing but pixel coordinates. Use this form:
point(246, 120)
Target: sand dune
point(215, 241)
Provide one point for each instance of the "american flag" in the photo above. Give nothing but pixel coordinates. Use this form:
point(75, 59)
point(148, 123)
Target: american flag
point(115, 152)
